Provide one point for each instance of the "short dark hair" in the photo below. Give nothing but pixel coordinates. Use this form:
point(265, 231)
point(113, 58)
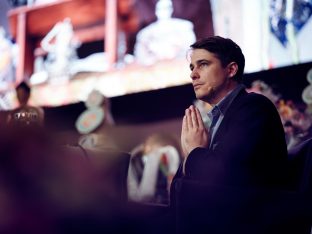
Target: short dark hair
point(226, 50)
point(23, 85)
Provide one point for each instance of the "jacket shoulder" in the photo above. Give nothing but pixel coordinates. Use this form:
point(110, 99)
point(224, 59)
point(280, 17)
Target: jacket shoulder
point(255, 99)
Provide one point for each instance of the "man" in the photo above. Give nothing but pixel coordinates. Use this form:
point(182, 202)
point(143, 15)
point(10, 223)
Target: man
point(245, 144)
point(229, 169)
point(25, 114)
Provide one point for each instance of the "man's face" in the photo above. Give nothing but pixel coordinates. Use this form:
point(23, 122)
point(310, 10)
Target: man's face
point(210, 79)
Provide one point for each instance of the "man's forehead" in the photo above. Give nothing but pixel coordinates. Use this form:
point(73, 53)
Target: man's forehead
point(200, 54)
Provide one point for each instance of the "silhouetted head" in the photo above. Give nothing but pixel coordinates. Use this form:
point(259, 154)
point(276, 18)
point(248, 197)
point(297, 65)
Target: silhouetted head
point(23, 93)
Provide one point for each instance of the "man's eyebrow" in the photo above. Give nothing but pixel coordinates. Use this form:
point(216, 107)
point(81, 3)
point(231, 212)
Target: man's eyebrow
point(199, 62)
point(202, 60)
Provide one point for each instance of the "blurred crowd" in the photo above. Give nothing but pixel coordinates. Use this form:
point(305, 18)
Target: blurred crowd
point(296, 118)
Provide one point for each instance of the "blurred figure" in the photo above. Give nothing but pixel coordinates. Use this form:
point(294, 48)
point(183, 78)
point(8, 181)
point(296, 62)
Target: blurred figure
point(97, 141)
point(291, 135)
point(297, 123)
point(25, 114)
point(152, 167)
point(97, 114)
point(261, 87)
point(60, 44)
point(6, 61)
point(158, 41)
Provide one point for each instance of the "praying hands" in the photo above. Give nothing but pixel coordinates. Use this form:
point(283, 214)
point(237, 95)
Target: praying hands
point(194, 134)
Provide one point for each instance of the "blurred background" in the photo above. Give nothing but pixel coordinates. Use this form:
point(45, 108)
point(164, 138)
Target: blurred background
point(134, 54)
point(109, 81)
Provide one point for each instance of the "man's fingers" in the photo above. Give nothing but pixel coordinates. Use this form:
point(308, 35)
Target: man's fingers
point(195, 119)
point(184, 124)
point(188, 117)
point(199, 118)
point(183, 133)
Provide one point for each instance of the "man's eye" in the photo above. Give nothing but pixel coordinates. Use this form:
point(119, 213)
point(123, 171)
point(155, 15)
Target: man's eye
point(203, 65)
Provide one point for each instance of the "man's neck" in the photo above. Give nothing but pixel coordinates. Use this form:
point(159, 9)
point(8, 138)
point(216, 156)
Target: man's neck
point(226, 91)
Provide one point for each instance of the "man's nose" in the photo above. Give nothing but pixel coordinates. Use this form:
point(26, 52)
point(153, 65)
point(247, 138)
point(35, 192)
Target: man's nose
point(194, 74)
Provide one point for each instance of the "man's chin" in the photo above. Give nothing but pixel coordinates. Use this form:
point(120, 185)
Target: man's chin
point(206, 98)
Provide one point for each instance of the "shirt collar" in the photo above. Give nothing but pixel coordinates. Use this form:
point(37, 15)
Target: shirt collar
point(225, 102)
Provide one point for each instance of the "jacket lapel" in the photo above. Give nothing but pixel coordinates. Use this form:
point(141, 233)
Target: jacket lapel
point(227, 117)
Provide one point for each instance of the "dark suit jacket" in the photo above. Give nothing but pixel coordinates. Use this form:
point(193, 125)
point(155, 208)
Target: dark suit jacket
point(249, 148)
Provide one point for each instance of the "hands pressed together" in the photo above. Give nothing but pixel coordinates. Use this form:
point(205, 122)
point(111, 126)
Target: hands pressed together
point(194, 134)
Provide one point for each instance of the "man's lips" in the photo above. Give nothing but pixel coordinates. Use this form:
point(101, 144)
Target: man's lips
point(196, 86)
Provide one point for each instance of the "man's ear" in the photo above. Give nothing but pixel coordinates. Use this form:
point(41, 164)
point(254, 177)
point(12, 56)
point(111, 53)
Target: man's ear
point(232, 69)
